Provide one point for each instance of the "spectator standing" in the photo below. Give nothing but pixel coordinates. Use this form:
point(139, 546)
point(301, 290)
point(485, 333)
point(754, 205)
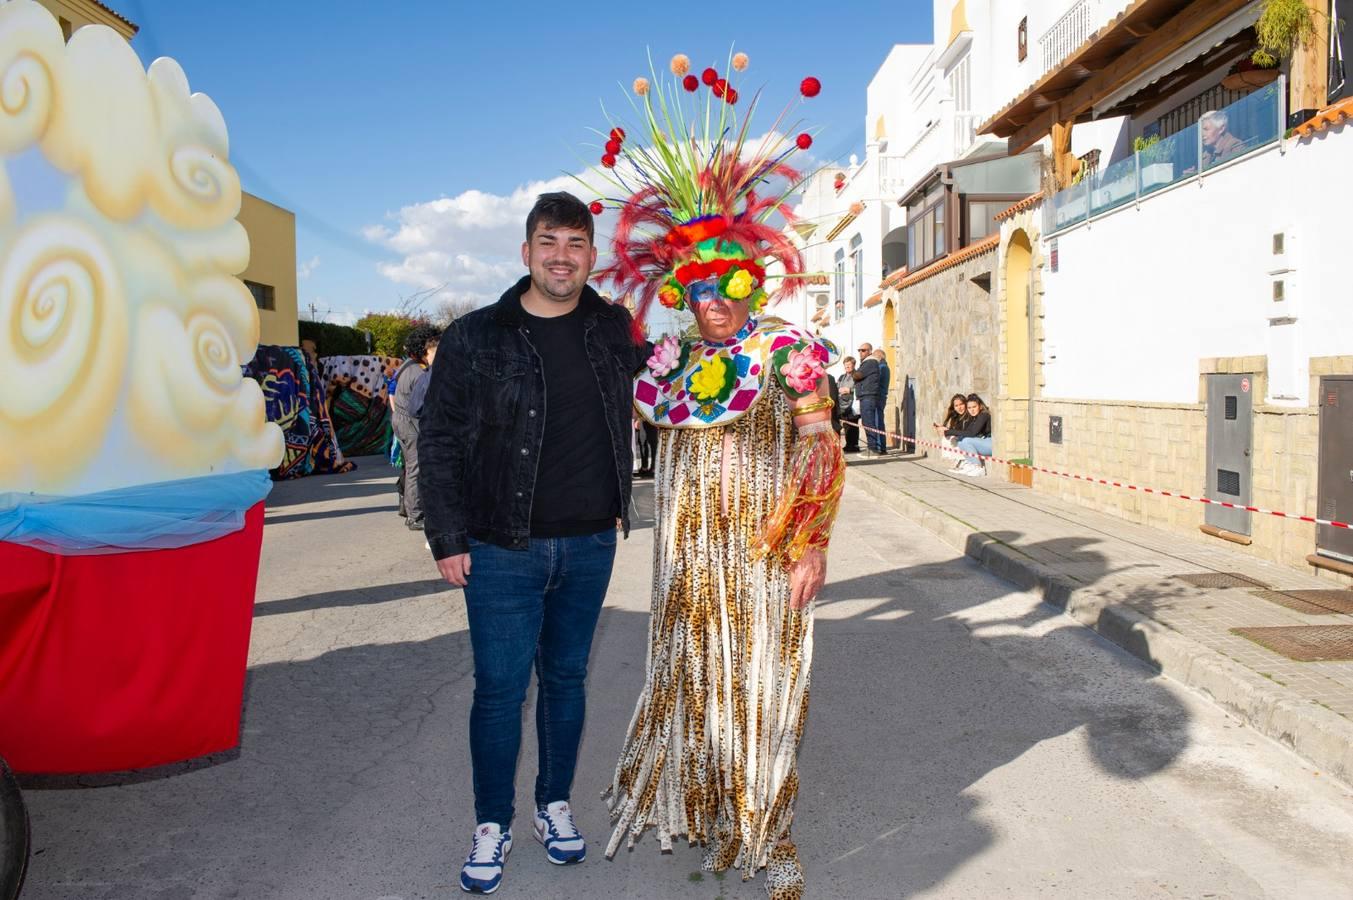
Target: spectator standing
point(406, 406)
point(845, 385)
point(867, 379)
point(885, 380)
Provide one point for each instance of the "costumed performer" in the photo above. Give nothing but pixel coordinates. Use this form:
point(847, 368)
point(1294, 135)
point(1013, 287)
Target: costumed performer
point(747, 482)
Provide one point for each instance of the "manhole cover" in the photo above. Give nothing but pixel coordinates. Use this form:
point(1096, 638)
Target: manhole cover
point(1218, 580)
point(1315, 603)
point(1304, 643)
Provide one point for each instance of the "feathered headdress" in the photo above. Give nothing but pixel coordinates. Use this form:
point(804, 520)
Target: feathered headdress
point(695, 196)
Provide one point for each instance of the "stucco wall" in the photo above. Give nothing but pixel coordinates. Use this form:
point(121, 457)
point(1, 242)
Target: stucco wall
point(272, 261)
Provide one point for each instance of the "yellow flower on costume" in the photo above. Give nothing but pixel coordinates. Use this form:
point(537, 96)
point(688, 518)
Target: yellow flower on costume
point(740, 285)
point(708, 380)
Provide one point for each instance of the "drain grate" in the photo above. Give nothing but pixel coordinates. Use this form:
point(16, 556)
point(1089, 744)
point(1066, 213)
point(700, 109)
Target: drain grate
point(1315, 603)
point(1218, 580)
point(1304, 643)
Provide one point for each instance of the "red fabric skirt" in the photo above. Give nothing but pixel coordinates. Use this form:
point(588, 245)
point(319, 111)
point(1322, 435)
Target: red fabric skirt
point(127, 660)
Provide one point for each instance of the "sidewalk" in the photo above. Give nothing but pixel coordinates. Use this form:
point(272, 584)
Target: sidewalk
point(1123, 580)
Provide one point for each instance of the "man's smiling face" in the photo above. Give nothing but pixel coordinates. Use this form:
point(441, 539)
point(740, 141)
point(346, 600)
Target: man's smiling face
point(559, 259)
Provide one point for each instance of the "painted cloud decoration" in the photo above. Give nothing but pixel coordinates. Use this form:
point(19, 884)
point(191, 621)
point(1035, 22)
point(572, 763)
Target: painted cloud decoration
point(122, 326)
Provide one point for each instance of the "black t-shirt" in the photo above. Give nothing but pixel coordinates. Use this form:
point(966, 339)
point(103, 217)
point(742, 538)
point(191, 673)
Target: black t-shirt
point(577, 491)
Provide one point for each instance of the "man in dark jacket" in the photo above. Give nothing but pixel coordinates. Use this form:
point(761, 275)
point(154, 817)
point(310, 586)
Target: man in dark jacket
point(868, 388)
point(406, 405)
point(525, 470)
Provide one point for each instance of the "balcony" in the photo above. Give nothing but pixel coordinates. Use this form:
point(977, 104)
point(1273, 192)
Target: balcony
point(1067, 34)
point(1252, 123)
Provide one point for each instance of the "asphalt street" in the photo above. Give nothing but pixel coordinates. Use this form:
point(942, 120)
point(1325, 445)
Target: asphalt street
point(964, 741)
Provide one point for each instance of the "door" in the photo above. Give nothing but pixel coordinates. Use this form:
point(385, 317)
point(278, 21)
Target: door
point(1229, 433)
point(909, 416)
point(1334, 493)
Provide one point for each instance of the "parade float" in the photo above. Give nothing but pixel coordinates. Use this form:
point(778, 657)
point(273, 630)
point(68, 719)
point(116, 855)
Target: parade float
point(134, 455)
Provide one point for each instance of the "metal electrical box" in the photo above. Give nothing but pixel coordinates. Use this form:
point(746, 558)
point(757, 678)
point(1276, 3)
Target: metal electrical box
point(1229, 441)
point(1334, 491)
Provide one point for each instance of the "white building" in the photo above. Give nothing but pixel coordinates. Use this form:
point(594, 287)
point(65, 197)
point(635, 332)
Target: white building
point(1176, 308)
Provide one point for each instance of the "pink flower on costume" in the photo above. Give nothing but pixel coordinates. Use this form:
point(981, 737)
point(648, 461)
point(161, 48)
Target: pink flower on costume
point(666, 355)
point(803, 371)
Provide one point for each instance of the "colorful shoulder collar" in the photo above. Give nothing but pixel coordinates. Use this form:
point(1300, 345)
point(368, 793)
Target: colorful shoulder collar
point(701, 384)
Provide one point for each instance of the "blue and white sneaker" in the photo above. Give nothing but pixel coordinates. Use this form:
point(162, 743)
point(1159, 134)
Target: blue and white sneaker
point(555, 829)
point(483, 869)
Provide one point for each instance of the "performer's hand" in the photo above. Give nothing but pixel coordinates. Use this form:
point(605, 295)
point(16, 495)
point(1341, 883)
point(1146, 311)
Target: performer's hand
point(806, 578)
point(455, 569)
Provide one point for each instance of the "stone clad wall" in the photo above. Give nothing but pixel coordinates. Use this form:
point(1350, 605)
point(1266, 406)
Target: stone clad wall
point(946, 340)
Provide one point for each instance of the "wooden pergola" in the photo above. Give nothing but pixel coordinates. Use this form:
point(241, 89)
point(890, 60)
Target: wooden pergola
point(1091, 82)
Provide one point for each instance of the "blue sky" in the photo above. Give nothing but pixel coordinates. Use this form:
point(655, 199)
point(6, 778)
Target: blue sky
point(409, 137)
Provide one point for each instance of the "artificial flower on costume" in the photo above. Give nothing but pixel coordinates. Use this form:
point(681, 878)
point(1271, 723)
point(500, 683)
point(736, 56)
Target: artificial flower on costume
point(801, 372)
point(666, 358)
point(801, 366)
point(713, 379)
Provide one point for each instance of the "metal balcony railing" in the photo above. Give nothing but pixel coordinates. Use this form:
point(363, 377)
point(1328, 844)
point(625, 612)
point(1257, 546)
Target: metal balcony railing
point(1067, 34)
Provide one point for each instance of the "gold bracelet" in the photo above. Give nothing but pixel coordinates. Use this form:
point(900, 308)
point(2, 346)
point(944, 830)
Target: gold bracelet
point(827, 403)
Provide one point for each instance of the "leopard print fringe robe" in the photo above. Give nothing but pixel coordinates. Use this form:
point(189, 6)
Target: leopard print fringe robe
point(711, 751)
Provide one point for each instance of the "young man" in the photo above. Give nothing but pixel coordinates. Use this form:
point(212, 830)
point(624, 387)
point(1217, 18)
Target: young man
point(406, 405)
point(526, 467)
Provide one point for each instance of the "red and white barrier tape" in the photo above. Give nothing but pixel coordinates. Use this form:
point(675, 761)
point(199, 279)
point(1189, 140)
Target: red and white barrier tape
point(1104, 481)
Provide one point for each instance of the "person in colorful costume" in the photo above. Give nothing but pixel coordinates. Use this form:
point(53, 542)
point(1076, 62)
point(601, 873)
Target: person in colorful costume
point(747, 484)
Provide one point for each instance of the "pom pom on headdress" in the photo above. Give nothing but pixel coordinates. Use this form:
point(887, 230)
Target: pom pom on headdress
point(709, 76)
point(691, 83)
point(641, 86)
point(804, 141)
point(810, 87)
point(595, 207)
point(740, 62)
point(618, 134)
point(681, 64)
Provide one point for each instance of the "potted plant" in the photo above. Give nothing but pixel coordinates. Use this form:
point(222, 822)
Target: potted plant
point(1153, 160)
point(1247, 73)
point(1019, 472)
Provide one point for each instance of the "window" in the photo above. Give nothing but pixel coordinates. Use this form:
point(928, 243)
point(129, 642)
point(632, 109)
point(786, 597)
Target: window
point(857, 269)
point(839, 284)
point(1023, 38)
point(960, 85)
point(263, 294)
point(925, 228)
point(979, 215)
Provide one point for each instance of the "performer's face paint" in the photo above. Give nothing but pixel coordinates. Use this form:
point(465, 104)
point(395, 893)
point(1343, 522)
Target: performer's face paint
point(717, 317)
point(560, 260)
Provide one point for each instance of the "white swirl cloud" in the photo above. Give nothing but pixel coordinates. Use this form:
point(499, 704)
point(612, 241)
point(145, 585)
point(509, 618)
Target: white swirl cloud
point(120, 320)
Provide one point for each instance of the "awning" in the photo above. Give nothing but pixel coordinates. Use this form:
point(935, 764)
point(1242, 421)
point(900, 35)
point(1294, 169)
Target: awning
point(1142, 45)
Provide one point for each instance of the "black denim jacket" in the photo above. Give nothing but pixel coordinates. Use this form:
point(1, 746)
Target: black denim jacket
point(483, 420)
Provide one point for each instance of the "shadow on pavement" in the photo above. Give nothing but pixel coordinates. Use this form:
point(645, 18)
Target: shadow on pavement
point(353, 781)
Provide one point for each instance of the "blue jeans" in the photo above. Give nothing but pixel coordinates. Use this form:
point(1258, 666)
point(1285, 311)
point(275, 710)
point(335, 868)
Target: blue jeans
point(535, 607)
point(871, 416)
point(979, 445)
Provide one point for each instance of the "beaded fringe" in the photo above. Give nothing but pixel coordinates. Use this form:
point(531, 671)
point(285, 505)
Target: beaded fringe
point(711, 752)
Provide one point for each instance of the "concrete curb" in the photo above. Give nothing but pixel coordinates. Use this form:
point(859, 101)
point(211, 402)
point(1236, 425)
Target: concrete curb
point(1318, 735)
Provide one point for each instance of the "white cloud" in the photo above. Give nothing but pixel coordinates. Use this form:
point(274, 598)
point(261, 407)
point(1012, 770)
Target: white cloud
point(304, 269)
point(471, 243)
point(342, 317)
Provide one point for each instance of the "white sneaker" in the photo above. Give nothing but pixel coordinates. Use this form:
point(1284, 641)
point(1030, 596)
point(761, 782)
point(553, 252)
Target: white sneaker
point(483, 869)
point(973, 470)
point(556, 831)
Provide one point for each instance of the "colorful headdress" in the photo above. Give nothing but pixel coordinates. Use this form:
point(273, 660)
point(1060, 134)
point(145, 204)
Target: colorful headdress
point(696, 196)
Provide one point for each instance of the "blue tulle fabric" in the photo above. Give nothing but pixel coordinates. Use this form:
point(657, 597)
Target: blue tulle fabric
point(159, 516)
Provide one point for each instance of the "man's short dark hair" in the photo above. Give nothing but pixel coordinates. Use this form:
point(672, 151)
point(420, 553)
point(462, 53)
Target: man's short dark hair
point(559, 209)
point(416, 344)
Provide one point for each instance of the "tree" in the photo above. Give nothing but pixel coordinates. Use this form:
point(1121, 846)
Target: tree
point(388, 331)
point(452, 309)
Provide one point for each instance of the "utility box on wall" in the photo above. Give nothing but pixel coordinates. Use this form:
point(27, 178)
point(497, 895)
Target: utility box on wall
point(1334, 491)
